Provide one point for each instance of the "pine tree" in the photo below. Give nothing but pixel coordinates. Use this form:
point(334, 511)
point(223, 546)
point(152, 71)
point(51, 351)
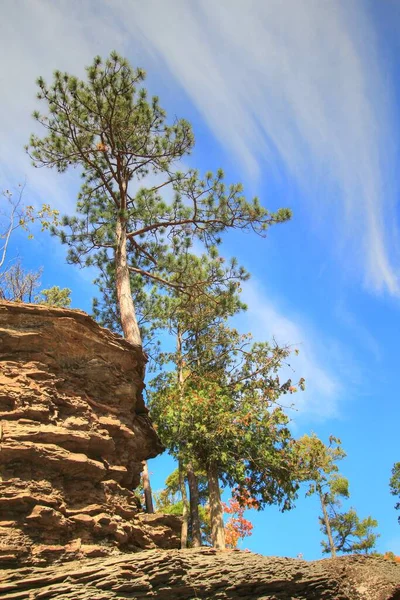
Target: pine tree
point(209, 296)
point(351, 535)
point(395, 484)
point(317, 465)
point(109, 128)
point(55, 296)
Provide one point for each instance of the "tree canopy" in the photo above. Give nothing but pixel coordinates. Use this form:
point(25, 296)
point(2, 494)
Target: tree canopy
point(128, 157)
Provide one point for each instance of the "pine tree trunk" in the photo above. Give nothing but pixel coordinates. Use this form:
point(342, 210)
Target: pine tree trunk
point(185, 513)
point(327, 525)
point(123, 284)
point(148, 498)
point(216, 512)
point(182, 486)
point(194, 506)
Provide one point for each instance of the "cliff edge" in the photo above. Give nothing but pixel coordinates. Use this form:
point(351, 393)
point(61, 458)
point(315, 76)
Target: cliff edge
point(73, 434)
point(206, 574)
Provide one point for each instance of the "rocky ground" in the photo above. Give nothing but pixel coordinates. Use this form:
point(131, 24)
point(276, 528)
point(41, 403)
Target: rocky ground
point(208, 574)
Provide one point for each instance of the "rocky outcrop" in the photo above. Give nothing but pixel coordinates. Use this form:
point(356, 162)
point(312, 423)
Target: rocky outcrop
point(73, 434)
point(206, 573)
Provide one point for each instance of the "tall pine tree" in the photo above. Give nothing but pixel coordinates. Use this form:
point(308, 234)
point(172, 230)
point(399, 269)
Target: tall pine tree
point(119, 138)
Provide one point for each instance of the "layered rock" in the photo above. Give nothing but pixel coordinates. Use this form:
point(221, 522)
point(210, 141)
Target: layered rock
point(73, 434)
point(206, 573)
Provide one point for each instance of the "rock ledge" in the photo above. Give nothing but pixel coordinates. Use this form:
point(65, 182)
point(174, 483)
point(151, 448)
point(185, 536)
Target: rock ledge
point(207, 574)
point(73, 434)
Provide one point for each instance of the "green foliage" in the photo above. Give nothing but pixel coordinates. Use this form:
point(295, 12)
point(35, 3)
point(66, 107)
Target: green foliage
point(317, 467)
point(317, 461)
point(317, 464)
point(351, 535)
point(169, 501)
point(395, 484)
point(118, 137)
point(55, 296)
point(228, 415)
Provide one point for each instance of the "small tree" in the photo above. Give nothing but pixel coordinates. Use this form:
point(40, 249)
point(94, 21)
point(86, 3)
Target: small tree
point(55, 296)
point(108, 128)
point(351, 535)
point(317, 464)
point(395, 484)
point(19, 285)
point(15, 215)
point(237, 527)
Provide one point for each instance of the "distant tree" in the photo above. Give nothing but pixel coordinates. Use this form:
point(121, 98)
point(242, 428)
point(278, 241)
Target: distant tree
point(170, 501)
point(351, 535)
point(317, 466)
point(395, 484)
point(108, 128)
point(55, 296)
point(391, 556)
point(19, 285)
point(15, 215)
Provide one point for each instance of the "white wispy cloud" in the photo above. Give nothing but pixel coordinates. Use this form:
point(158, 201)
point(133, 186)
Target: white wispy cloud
point(300, 82)
point(265, 320)
point(38, 37)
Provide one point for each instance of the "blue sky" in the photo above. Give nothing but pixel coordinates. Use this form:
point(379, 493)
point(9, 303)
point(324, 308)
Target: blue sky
point(299, 100)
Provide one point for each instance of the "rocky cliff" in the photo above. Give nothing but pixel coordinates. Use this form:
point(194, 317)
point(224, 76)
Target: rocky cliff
point(73, 434)
point(207, 574)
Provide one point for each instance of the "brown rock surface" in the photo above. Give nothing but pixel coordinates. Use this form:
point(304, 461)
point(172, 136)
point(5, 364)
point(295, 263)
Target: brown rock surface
point(207, 574)
point(73, 434)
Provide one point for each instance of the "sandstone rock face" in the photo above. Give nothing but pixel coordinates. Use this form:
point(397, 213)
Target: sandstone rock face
point(73, 434)
point(207, 574)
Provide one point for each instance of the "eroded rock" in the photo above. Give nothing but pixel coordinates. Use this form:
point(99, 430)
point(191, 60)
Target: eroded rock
point(73, 434)
point(204, 574)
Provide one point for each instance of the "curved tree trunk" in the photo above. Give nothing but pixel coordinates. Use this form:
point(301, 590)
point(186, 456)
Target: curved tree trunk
point(194, 506)
point(123, 287)
point(328, 526)
point(216, 512)
point(185, 513)
point(148, 498)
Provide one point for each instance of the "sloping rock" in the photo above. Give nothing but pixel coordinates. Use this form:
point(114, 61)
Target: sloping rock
point(73, 434)
point(206, 574)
